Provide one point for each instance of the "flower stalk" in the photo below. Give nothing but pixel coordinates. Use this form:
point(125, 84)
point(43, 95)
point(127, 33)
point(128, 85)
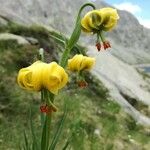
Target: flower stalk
point(50, 78)
point(74, 36)
point(45, 141)
point(48, 98)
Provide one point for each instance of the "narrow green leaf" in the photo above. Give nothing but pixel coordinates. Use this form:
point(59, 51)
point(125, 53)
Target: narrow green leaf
point(66, 145)
point(59, 130)
point(46, 133)
point(42, 114)
point(26, 141)
point(75, 35)
point(43, 139)
point(33, 133)
point(24, 147)
point(20, 147)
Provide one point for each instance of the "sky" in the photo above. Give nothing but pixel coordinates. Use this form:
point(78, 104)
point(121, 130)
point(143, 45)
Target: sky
point(139, 8)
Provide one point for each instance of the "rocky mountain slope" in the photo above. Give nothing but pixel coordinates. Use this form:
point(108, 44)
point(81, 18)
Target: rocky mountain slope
point(124, 83)
point(95, 121)
point(130, 40)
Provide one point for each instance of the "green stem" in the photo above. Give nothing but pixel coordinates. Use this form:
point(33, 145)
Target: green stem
point(42, 101)
point(102, 36)
point(74, 37)
point(98, 38)
point(50, 100)
point(59, 130)
point(41, 55)
point(49, 97)
point(48, 123)
point(83, 6)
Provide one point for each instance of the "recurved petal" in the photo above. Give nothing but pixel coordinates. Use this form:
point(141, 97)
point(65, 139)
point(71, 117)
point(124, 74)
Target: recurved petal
point(110, 24)
point(37, 70)
point(74, 64)
point(85, 22)
point(110, 18)
point(91, 21)
point(96, 19)
point(80, 62)
point(54, 77)
point(30, 77)
point(87, 63)
point(24, 79)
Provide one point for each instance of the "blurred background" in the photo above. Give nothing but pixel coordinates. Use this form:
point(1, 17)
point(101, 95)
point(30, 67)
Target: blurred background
point(113, 112)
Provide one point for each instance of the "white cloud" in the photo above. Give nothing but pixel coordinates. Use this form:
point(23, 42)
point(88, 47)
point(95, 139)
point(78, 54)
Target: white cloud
point(133, 8)
point(144, 22)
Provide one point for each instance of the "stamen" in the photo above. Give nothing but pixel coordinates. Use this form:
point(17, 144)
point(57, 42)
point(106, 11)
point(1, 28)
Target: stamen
point(106, 45)
point(47, 109)
point(43, 109)
point(98, 46)
point(82, 84)
point(98, 43)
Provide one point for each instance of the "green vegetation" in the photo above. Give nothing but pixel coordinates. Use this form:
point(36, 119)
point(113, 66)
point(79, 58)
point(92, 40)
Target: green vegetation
point(94, 121)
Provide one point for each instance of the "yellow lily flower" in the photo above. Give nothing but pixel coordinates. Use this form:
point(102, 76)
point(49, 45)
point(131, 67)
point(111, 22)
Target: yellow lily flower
point(41, 75)
point(80, 62)
point(97, 20)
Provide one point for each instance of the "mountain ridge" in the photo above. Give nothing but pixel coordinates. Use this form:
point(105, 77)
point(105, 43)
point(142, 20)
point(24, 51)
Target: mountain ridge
point(130, 40)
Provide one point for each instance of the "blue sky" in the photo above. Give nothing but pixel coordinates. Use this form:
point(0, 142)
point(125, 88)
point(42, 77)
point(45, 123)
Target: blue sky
point(139, 8)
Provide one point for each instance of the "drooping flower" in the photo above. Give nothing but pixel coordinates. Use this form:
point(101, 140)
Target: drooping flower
point(41, 75)
point(97, 21)
point(80, 62)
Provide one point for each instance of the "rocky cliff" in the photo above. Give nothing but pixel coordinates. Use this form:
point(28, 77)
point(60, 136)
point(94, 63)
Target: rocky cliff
point(127, 86)
point(130, 40)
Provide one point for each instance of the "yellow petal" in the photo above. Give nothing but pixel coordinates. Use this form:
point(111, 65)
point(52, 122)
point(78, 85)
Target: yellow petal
point(91, 21)
point(80, 62)
point(74, 64)
point(24, 79)
point(54, 77)
point(30, 77)
point(110, 18)
point(87, 63)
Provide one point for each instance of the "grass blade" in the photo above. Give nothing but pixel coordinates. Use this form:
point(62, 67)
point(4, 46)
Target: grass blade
point(66, 145)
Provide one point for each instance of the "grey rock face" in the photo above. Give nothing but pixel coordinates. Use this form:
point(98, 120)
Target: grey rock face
point(121, 79)
point(8, 36)
point(130, 40)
